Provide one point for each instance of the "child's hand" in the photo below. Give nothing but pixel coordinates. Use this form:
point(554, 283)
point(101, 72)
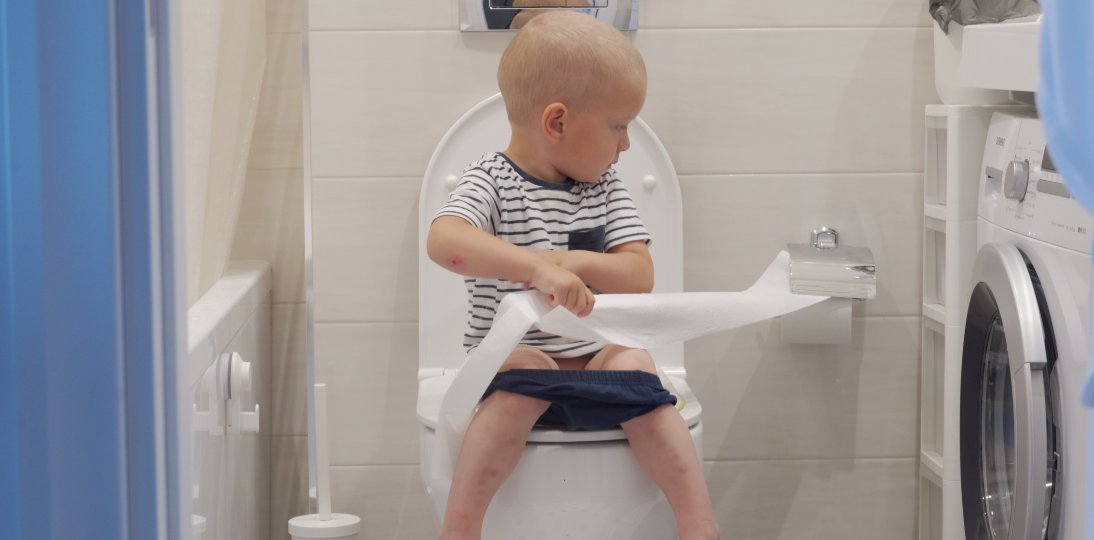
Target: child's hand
point(563, 288)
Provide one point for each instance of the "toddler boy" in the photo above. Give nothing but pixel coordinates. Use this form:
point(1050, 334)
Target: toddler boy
point(549, 213)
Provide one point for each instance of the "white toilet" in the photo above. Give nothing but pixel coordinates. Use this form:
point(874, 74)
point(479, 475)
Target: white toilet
point(568, 484)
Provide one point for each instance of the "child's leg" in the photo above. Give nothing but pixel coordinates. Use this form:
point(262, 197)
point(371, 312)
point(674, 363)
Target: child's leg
point(491, 448)
point(663, 446)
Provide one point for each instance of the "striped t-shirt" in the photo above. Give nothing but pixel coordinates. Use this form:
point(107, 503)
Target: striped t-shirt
point(498, 197)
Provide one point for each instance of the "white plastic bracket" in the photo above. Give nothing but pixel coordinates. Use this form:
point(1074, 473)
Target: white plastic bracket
point(235, 381)
point(207, 391)
point(450, 181)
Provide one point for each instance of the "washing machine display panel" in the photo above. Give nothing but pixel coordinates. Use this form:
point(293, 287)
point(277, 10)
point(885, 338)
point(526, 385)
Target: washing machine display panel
point(1021, 190)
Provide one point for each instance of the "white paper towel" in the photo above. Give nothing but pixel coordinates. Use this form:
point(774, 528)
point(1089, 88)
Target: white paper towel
point(633, 320)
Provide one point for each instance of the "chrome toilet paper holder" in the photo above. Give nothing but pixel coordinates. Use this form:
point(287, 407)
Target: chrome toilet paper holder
point(826, 268)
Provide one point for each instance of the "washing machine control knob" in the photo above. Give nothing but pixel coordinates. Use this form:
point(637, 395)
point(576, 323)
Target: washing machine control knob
point(1016, 180)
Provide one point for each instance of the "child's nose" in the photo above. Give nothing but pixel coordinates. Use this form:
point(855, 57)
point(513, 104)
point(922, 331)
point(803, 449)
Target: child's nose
point(625, 142)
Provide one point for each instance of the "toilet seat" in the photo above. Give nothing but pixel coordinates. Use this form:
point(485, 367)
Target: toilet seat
point(431, 391)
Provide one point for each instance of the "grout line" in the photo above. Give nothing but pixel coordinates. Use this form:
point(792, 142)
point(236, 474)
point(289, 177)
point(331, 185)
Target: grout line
point(710, 461)
point(301, 169)
point(640, 29)
point(777, 28)
point(806, 460)
point(317, 323)
point(401, 178)
point(378, 465)
point(683, 175)
point(680, 175)
point(370, 322)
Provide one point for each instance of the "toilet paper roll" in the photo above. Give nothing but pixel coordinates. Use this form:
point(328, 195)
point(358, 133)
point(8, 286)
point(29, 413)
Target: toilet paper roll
point(633, 320)
point(826, 323)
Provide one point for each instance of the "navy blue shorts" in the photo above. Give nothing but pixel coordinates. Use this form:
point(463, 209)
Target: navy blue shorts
point(586, 399)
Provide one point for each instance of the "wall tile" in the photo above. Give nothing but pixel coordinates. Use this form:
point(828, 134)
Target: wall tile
point(749, 13)
point(246, 485)
point(381, 101)
point(371, 375)
point(813, 100)
point(271, 228)
point(763, 399)
point(365, 249)
point(390, 500)
point(288, 409)
point(819, 500)
point(372, 15)
point(278, 140)
point(734, 226)
point(444, 14)
point(284, 16)
point(780, 100)
point(288, 483)
point(773, 100)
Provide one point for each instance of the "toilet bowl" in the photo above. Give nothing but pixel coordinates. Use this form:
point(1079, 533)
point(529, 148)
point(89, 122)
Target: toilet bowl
point(568, 484)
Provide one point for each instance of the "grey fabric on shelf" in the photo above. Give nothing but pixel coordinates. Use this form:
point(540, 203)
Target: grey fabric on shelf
point(966, 12)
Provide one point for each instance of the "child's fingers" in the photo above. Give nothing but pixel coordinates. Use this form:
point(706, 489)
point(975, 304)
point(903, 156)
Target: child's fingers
point(582, 302)
point(591, 302)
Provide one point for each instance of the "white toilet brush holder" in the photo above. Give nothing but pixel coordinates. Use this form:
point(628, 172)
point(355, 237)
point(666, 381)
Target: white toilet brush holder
point(323, 524)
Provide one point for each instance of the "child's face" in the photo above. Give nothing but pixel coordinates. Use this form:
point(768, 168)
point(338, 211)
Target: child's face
point(596, 136)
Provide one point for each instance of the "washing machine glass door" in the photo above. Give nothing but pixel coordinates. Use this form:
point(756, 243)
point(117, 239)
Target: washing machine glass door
point(1004, 434)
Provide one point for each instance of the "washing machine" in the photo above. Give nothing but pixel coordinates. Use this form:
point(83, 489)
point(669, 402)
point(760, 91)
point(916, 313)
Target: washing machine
point(1023, 430)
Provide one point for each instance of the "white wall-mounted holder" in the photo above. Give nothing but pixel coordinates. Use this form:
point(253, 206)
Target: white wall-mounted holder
point(234, 384)
point(824, 267)
point(208, 396)
point(323, 524)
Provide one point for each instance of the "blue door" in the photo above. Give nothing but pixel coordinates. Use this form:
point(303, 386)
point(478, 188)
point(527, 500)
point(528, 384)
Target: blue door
point(89, 336)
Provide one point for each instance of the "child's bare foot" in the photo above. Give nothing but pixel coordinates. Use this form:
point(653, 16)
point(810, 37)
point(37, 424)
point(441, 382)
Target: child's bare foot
point(460, 526)
point(700, 531)
point(457, 535)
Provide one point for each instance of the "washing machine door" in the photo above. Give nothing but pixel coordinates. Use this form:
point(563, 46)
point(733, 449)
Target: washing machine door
point(1004, 425)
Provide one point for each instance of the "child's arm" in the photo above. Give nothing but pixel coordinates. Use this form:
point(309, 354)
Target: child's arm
point(625, 268)
point(465, 249)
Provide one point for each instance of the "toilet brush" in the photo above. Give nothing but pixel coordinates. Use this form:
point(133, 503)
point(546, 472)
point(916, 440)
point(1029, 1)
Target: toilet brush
point(323, 524)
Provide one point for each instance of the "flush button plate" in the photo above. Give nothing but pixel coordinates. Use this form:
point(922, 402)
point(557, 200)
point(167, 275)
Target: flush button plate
point(508, 15)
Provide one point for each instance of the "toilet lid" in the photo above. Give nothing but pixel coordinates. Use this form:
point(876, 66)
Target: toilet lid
point(431, 391)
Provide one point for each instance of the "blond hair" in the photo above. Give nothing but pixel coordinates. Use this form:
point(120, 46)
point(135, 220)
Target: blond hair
point(565, 57)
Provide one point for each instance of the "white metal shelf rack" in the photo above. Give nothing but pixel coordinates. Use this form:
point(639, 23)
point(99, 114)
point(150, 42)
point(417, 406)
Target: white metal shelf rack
point(953, 150)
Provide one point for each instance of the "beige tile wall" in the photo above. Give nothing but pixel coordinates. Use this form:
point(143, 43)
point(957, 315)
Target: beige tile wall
point(271, 228)
point(779, 116)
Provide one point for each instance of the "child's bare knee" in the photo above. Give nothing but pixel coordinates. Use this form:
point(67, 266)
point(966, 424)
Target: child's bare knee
point(528, 358)
point(626, 359)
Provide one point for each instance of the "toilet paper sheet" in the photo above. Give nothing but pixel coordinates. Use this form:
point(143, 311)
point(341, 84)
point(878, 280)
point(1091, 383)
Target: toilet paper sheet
point(633, 320)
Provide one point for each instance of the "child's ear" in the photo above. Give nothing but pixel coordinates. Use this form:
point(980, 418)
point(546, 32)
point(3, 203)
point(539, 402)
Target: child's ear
point(554, 121)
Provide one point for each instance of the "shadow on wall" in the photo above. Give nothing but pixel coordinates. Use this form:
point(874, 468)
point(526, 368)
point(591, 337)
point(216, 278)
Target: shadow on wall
point(223, 48)
point(787, 428)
